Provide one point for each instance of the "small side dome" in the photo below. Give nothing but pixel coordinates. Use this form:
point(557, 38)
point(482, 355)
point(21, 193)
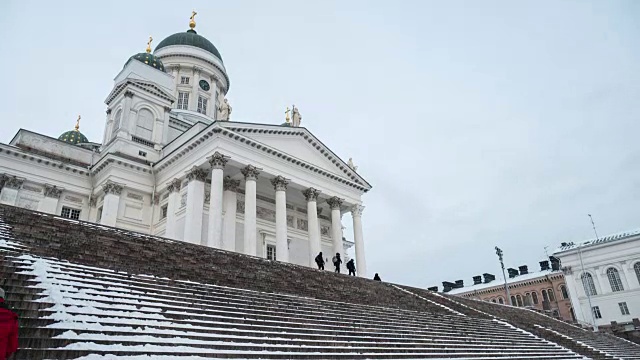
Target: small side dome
point(149, 59)
point(285, 124)
point(74, 137)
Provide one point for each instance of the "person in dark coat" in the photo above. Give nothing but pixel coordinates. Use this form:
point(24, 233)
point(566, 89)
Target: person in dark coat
point(8, 330)
point(377, 277)
point(336, 262)
point(352, 267)
point(320, 261)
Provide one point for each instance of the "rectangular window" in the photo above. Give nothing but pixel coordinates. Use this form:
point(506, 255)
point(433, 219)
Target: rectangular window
point(623, 308)
point(70, 213)
point(202, 105)
point(271, 252)
point(184, 80)
point(163, 212)
point(183, 100)
point(596, 312)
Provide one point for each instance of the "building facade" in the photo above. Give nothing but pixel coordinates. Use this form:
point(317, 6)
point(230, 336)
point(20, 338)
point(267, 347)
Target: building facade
point(604, 275)
point(172, 164)
point(543, 291)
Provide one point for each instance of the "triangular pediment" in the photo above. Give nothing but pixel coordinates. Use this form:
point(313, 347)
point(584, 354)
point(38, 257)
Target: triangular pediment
point(300, 144)
point(141, 85)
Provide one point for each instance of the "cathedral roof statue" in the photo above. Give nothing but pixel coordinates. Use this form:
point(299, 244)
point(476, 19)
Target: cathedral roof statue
point(148, 58)
point(190, 38)
point(74, 136)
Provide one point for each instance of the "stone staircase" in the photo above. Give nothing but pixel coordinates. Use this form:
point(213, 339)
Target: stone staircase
point(85, 291)
point(582, 341)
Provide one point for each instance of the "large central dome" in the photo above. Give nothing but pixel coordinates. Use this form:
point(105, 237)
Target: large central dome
point(190, 38)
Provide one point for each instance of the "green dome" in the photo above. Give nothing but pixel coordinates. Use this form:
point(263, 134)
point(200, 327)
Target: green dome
point(285, 124)
point(148, 59)
point(190, 38)
point(73, 137)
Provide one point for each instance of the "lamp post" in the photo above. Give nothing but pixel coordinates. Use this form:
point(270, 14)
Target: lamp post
point(506, 287)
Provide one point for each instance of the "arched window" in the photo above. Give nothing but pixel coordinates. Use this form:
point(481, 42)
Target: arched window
point(116, 122)
point(563, 290)
point(545, 297)
point(552, 296)
point(636, 267)
point(527, 299)
point(501, 301)
point(588, 285)
point(534, 297)
point(614, 279)
point(513, 300)
point(144, 125)
point(493, 300)
point(519, 299)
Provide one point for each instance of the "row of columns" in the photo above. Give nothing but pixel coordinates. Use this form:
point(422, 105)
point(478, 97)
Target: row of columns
point(223, 195)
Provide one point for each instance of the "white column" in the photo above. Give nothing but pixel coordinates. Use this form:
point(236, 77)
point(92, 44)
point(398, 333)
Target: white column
point(311, 195)
point(195, 206)
point(250, 242)
point(282, 246)
point(230, 210)
point(111, 203)
point(9, 193)
point(193, 101)
point(361, 262)
point(336, 225)
point(49, 204)
point(172, 203)
point(217, 162)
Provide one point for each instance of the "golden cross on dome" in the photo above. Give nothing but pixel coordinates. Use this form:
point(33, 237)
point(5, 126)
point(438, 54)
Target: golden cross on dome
point(78, 123)
point(287, 119)
point(192, 20)
point(149, 44)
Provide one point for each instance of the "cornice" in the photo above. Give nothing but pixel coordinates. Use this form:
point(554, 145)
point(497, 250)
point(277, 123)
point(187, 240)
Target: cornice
point(512, 286)
point(5, 149)
point(141, 85)
point(113, 159)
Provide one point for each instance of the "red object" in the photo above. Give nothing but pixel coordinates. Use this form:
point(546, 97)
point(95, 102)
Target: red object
point(8, 331)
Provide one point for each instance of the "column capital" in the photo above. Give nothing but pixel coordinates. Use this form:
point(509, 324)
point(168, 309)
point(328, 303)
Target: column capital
point(229, 184)
point(108, 111)
point(356, 210)
point(13, 182)
point(112, 188)
point(279, 183)
point(196, 174)
point(218, 161)
point(52, 191)
point(311, 194)
point(335, 202)
point(250, 172)
point(93, 201)
point(196, 70)
point(174, 185)
point(128, 94)
point(167, 109)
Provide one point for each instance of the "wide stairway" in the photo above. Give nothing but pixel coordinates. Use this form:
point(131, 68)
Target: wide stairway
point(85, 291)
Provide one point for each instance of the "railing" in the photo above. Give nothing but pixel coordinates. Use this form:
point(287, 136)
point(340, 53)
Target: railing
point(141, 141)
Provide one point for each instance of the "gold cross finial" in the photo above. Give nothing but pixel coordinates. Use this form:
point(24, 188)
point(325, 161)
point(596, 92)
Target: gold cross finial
point(78, 124)
point(192, 20)
point(287, 119)
point(149, 44)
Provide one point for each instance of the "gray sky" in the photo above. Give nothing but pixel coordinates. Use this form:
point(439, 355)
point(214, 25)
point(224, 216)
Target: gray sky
point(477, 123)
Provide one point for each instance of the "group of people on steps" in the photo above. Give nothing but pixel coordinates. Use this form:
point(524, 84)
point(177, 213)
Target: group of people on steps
point(351, 266)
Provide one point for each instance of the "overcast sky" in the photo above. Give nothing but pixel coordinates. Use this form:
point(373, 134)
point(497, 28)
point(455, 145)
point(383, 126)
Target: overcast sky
point(478, 123)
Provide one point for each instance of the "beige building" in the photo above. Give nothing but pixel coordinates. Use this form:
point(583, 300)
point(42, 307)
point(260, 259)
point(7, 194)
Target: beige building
point(544, 291)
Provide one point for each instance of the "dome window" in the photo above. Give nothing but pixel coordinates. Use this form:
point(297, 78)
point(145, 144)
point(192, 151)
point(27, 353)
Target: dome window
point(183, 100)
point(184, 80)
point(202, 105)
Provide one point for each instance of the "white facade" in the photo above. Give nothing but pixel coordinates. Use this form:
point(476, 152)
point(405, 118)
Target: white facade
point(609, 268)
point(179, 173)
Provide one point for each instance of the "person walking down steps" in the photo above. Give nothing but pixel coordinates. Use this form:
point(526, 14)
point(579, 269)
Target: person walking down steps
point(8, 330)
point(336, 262)
point(320, 261)
point(351, 266)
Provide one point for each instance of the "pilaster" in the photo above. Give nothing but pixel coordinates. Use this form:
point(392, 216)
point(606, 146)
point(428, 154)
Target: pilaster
point(51, 197)
point(282, 248)
point(195, 205)
point(173, 188)
point(111, 203)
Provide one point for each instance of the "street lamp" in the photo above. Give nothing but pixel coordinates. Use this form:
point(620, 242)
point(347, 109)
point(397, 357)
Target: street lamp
point(506, 287)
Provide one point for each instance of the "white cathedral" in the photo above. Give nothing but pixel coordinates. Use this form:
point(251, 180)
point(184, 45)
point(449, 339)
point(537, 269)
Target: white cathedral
point(172, 164)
